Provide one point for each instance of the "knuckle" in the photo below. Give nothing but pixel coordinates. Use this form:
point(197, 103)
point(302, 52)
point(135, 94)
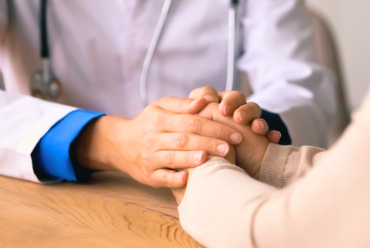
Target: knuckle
point(181, 140)
point(170, 157)
point(213, 105)
point(157, 119)
point(207, 89)
point(218, 132)
point(146, 173)
point(227, 94)
point(193, 125)
point(156, 122)
point(161, 181)
point(181, 103)
point(206, 143)
point(194, 93)
point(255, 108)
point(164, 178)
point(151, 108)
point(166, 98)
point(238, 94)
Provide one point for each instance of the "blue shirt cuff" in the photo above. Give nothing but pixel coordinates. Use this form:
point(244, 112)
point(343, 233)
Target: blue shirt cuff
point(51, 157)
point(276, 123)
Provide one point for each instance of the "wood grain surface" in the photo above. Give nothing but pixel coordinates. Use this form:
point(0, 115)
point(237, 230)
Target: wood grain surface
point(110, 210)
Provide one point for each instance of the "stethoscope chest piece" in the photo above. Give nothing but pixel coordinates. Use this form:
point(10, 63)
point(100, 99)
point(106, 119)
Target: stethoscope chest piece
point(44, 86)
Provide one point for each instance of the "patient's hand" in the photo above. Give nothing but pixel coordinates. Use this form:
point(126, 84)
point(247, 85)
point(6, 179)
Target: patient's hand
point(233, 104)
point(250, 152)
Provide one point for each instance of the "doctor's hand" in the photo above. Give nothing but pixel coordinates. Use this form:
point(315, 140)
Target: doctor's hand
point(233, 103)
point(151, 148)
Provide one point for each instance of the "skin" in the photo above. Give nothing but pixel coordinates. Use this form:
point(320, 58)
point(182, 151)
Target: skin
point(233, 104)
point(249, 153)
point(164, 138)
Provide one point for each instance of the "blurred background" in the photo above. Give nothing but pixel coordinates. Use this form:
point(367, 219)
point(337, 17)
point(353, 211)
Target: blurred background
point(349, 21)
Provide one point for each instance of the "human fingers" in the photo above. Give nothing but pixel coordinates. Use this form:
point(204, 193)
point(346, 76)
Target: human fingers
point(168, 178)
point(230, 101)
point(245, 114)
point(201, 126)
point(181, 105)
point(179, 159)
point(259, 126)
point(274, 136)
point(179, 194)
point(192, 142)
point(206, 92)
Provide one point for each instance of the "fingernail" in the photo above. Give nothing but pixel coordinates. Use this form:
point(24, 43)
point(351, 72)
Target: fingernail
point(195, 101)
point(211, 98)
point(197, 157)
point(236, 138)
point(262, 124)
point(179, 177)
point(226, 109)
point(222, 149)
point(241, 116)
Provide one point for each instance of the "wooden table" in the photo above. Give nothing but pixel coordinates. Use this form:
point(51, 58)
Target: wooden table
point(110, 210)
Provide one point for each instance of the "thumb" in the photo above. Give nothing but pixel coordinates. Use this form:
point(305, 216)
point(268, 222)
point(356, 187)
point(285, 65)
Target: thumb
point(169, 179)
point(181, 105)
point(206, 92)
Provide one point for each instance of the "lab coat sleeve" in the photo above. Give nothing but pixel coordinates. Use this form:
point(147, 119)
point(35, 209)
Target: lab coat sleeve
point(24, 120)
point(52, 157)
point(279, 58)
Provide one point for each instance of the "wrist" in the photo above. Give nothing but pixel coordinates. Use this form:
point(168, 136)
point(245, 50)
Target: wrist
point(94, 148)
point(259, 159)
point(257, 174)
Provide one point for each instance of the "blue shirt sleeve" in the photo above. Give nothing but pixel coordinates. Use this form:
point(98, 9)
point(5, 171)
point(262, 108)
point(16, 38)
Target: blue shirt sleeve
point(51, 157)
point(276, 123)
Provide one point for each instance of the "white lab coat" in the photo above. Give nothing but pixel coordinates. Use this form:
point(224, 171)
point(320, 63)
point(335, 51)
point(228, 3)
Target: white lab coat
point(98, 48)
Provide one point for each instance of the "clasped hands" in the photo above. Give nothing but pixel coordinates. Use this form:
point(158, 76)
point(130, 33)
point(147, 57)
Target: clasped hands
point(172, 135)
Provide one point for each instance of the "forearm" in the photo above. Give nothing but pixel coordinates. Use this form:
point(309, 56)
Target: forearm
point(94, 149)
point(224, 207)
point(219, 204)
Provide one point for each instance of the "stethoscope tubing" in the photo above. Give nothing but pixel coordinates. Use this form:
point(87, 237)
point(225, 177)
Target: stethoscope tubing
point(232, 18)
point(231, 48)
point(151, 50)
point(44, 44)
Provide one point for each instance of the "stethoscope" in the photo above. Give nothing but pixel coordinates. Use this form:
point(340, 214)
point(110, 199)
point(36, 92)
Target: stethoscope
point(45, 85)
point(157, 35)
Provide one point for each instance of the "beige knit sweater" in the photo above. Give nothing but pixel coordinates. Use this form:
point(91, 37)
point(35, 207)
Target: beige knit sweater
point(329, 206)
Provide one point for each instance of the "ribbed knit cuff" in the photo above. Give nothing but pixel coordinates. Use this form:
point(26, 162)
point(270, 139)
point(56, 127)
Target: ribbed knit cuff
point(273, 165)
